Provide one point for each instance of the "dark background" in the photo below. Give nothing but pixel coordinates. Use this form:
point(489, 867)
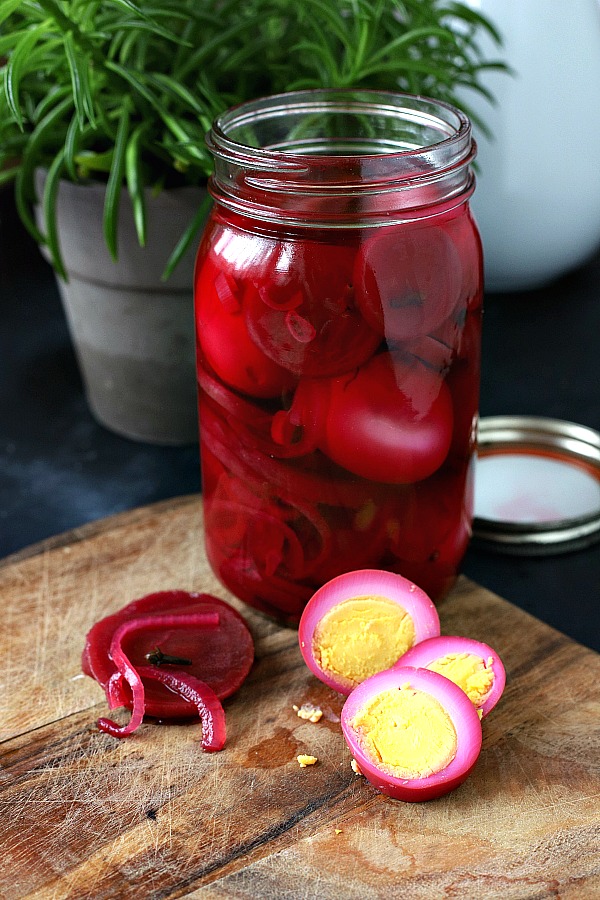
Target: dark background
point(59, 469)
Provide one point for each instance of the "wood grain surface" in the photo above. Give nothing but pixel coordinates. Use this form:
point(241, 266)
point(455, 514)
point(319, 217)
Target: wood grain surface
point(83, 815)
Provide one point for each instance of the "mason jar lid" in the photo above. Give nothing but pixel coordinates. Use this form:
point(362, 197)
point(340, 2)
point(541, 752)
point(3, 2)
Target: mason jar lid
point(537, 485)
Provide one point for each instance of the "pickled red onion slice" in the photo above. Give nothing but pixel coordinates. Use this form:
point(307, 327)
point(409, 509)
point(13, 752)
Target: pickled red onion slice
point(249, 462)
point(227, 291)
point(190, 688)
point(231, 403)
point(285, 535)
point(302, 312)
point(115, 692)
point(131, 674)
point(278, 597)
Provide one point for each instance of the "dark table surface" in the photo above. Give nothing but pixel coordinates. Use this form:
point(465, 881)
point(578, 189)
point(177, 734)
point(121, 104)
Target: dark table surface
point(59, 469)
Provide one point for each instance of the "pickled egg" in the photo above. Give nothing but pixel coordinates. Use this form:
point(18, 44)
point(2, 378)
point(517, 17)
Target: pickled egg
point(361, 623)
point(413, 733)
point(470, 664)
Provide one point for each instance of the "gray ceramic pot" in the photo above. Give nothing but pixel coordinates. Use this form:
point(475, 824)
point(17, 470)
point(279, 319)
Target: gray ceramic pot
point(133, 333)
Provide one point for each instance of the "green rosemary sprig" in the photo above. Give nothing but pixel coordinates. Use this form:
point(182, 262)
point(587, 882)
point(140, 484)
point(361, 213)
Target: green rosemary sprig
point(125, 91)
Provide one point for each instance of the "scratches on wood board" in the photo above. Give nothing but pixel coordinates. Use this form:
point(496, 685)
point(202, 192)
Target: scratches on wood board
point(83, 815)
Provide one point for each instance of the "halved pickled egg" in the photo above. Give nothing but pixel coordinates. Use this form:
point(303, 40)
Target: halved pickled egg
point(414, 734)
point(470, 664)
point(361, 623)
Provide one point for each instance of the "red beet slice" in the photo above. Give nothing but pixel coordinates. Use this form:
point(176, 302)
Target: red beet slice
point(220, 657)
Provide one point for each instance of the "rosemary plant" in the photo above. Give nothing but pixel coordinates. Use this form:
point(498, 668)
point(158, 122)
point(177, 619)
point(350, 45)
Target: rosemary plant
point(125, 91)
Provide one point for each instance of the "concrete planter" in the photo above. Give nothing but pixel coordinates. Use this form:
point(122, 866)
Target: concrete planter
point(133, 333)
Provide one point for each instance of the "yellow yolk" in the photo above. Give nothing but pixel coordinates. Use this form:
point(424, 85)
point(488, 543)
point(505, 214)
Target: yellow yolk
point(362, 636)
point(406, 733)
point(469, 672)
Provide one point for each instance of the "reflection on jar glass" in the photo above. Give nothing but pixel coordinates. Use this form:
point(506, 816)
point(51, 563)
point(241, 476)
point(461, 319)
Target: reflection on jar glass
point(338, 299)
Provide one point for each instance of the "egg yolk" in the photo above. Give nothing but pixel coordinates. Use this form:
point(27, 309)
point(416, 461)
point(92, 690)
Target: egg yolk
point(362, 636)
point(469, 672)
point(406, 733)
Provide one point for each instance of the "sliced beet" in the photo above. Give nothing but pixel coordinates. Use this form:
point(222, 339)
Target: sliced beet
point(220, 657)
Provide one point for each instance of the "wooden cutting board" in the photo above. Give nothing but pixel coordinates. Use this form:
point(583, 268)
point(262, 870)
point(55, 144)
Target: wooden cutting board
point(84, 815)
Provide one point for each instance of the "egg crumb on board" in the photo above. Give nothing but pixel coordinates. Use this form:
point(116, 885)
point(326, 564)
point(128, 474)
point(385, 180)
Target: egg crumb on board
point(304, 760)
point(355, 767)
point(309, 712)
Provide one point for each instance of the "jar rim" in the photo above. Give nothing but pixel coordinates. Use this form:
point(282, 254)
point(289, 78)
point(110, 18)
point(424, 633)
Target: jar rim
point(399, 149)
point(450, 122)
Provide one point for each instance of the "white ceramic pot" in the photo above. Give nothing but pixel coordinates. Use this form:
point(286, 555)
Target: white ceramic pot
point(537, 200)
point(133, 333)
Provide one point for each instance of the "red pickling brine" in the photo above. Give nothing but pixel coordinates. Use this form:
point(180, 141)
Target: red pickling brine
point(338, 304)
point(219, 652)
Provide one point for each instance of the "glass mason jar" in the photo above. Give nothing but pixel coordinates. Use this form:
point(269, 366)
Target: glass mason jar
point(338, 301)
